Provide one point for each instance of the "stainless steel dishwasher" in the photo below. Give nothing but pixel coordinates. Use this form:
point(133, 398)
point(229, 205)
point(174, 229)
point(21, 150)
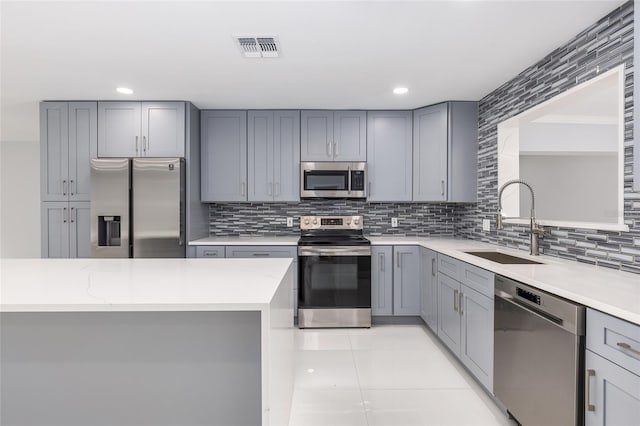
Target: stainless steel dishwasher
point(539, 355)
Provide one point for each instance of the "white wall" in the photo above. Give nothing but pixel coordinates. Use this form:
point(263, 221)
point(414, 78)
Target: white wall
point(20, 199)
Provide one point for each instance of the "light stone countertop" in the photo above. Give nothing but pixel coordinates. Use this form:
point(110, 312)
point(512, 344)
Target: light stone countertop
point(85, 285)
point(247, 241)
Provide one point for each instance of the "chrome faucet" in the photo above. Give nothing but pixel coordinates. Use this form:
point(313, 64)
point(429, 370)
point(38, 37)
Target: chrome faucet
point(535, 230)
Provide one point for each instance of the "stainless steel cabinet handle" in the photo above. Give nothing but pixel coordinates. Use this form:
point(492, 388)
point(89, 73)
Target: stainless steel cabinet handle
point(381, 260)
point(587, 389)
point(628, 347)
point(71, 187)
point(442, 187)
point(71, 218)
point(328, 149)
point(277, 189)
point(144, 144)
point(433, 267)
point(242, 189)
point(64, 187)
point(136, 145)
point(335, 149)
point(398, 260)
point(369, 190)
point(64, 215)
point(210, 254)
point(460, 303)
point(455, 300)
point(270, 189)
point(260, 254)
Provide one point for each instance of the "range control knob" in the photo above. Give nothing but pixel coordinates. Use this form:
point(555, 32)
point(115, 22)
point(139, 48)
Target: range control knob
point(306, 221)
point(356, 221)
point(315, 221)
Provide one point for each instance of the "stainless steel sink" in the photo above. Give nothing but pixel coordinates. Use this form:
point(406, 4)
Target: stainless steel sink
point(498, 257)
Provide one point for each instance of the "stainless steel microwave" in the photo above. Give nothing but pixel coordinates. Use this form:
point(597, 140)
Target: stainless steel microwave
point(333, 180)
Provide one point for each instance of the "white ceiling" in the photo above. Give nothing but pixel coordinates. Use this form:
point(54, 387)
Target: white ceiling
point(336, 54)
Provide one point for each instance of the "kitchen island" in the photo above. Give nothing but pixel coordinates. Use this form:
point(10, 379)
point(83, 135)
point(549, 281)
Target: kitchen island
point(146, 341)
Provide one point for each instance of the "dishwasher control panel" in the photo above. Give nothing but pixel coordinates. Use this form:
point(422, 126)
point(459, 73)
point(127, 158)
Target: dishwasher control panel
point(531, 297)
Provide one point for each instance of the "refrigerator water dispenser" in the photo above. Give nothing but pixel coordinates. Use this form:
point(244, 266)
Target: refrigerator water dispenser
point(108, 231)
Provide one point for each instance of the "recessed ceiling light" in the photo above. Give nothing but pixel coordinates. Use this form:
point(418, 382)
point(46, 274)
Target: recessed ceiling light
point(400, 90)
point(124, 90)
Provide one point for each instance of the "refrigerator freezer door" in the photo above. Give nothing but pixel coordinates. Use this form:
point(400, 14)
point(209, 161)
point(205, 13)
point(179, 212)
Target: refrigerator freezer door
point(158, 207)
point(110, 207)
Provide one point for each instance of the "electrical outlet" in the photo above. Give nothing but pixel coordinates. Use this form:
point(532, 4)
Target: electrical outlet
point(289, 222)
point(486, 225)
point(394, 222)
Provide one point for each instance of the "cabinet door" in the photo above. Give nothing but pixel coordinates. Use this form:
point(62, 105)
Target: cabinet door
point(350, 136)
point(448, 316)
point(286, 157)
point(381, 280)
point(429, 281)
point(80, 229)
point(83, 146)
point(476, 343)
point(119, 129)
point(163, 129)
point(55, 229)
point(389, 155)
point(406, 280)
point(260, 156)
point(262, 252)
point(316, 138)
point(430, 138)
point(224, 155)
point(54, 151)
point(613, 393)
point(462, 177)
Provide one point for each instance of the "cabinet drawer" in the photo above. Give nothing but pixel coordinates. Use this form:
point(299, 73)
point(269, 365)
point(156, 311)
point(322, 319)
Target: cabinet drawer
point(614, 339)
point(476, 278)
point(262, 252)
point(449, 266)
point(210, 251)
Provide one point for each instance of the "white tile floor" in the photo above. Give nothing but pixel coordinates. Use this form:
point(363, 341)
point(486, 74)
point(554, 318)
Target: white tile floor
point(388, 375)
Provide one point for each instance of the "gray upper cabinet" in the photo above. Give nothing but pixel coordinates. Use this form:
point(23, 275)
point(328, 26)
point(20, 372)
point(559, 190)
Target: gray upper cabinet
point(223, 155)
point(381, 280)
point(68, 141)
point(389, 155)
point(445, 152)
point(141, 129)
point(273, 155)
point(429, 283)
point(163, 132)
point(406, 280)
point(333, 136)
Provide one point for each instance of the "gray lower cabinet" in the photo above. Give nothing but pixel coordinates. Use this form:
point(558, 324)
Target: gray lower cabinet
point(466, 316)
point(141, 129)
point(445, 152)
point(65, 229)
point(273, 155)
point(224, 156)
point(68, 141)
point(612, 371)
point(333, 135)
point(381, 280)
point(613, 393)
point(210, 252)
point(389, 155)
point(406, 280)
point(429, 291)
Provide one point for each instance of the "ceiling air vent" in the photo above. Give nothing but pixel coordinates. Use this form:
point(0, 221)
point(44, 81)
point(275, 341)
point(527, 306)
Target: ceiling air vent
point(258, 46)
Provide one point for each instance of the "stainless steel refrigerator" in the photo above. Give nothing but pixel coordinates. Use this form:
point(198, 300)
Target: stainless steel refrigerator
point(137, 207)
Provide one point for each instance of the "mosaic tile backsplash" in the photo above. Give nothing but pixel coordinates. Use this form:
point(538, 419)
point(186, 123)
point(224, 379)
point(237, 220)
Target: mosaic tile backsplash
point(604, 45)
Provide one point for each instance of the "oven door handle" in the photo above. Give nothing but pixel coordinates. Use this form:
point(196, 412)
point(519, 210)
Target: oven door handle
point(334, 251)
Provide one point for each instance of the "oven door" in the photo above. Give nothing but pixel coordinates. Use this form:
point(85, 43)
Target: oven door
point(334, 277)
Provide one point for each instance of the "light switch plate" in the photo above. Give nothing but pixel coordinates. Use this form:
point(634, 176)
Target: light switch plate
point(486, 225)
point(394, 222)
point(289, 222)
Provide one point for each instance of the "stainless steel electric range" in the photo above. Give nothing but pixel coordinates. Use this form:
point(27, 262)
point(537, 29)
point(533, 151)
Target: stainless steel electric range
point(334, 262)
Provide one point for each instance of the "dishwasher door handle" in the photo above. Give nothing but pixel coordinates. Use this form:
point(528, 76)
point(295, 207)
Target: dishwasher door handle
point(531, 310)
